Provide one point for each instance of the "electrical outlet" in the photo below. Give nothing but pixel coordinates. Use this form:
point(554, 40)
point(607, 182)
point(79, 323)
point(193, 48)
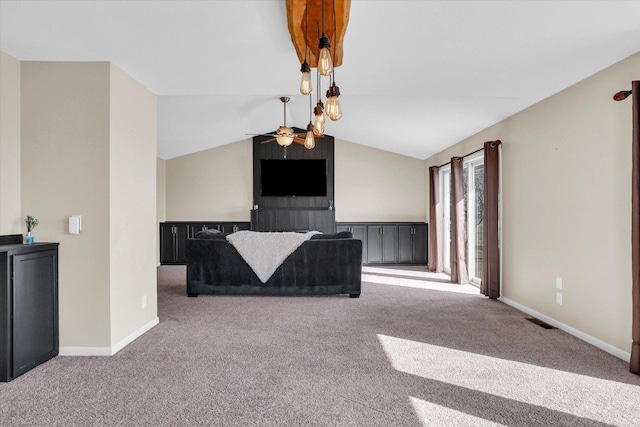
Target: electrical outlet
point(558, 298)
point(559, 283)
point(144, 301)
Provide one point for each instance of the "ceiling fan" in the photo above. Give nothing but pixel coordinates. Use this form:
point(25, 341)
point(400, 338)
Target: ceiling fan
point(284, 136)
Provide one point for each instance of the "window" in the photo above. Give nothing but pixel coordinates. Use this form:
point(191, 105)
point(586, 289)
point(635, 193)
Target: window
point(445, 191)
point(473, 192)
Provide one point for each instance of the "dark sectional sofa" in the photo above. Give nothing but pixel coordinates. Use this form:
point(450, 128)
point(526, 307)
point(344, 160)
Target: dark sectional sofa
point(324, 265)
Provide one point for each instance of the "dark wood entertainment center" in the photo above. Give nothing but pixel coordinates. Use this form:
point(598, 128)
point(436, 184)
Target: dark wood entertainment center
point(287, 213)
point(383, 242)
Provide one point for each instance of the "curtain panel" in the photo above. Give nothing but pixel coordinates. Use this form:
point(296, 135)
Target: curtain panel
point(635, 230)
point(490, 285)
point(435, 239)
point(459, 273)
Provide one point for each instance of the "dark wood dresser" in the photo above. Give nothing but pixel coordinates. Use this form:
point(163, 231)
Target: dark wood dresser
point(28, 305)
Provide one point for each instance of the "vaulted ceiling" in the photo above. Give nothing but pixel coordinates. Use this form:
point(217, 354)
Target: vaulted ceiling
point(417, 76)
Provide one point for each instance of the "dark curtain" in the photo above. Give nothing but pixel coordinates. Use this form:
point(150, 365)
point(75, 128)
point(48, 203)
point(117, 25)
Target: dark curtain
point(459, 272)
point(490, 285)
point(635, 230)
point(435, 240)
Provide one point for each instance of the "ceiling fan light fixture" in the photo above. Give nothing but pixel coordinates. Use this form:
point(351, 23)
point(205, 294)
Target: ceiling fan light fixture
point(309, 141)
point(285, 136)
point(284, 141)
point(325, 64)
point(305, 82)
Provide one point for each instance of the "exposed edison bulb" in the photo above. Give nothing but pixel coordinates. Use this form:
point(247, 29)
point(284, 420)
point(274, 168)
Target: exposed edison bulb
point(318, 123)
point(334, 110)
point(325, 65)
point(309, 141)
point(305, 84)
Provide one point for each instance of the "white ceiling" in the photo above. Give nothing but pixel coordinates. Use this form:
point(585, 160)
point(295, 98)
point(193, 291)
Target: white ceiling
point(418, 76)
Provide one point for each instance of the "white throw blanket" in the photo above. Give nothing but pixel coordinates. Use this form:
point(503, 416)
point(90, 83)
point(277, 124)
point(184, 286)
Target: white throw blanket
point(264, 252)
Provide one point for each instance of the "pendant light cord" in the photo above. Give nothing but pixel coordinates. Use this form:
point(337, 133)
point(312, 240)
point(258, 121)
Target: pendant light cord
point(335, 42)
point(322, 17)
point(306, 35)
point(310, 109)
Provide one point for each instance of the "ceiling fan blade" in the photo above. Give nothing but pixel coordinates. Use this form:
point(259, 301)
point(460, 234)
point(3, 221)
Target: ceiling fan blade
point(261, 134)
point(268, 140)
point(298, 140)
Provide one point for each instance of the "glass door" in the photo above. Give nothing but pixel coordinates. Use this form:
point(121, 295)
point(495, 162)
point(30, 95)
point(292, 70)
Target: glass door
point(474, 204)
point(445, 191)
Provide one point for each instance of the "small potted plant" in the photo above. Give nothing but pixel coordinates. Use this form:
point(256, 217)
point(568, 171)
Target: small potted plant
point(31, 223)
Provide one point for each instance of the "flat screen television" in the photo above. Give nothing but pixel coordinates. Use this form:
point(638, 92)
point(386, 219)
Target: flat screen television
point(293, 177)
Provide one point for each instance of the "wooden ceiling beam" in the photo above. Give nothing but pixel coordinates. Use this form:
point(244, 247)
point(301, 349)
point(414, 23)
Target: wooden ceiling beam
point(297, 21)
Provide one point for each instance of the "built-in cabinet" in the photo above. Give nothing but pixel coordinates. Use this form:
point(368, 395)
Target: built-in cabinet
point(28, 305)
point(293, 220)
point(390, 243)
point(382, 244)
point(173, 243)
point(412, 244)
point(174, 235)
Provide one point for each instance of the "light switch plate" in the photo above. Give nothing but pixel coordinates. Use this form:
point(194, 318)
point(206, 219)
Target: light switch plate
point(75, 224)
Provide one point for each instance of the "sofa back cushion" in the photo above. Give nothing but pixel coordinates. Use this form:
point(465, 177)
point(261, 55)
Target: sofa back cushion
point(340, 235)
point(210, 234)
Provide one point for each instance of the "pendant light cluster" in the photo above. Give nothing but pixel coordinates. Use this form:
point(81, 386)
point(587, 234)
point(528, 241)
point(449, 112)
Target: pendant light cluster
point(325, 67)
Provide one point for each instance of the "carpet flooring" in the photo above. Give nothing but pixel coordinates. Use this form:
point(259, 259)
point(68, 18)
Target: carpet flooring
point(414, 350)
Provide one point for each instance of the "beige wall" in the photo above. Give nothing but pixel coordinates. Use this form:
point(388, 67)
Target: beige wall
point(65, 171)
point(377, 185)
point(566, 203)
point(132, 205)
point(10, 216)
point(214, 184)
point(371, 184)
point(161, 200)
point(88, 148)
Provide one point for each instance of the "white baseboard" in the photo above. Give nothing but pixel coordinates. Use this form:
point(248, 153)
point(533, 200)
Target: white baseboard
point(85, 351)
point(108, 351)
point(568, 329)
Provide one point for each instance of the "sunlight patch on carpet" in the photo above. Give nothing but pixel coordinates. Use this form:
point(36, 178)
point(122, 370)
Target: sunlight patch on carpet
point(432, 414)
point(405, 271)
point(601, 400)
point(420, 284)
